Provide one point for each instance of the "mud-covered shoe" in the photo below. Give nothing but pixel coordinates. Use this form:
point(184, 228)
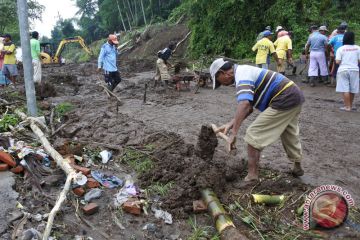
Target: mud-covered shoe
point(297, 171)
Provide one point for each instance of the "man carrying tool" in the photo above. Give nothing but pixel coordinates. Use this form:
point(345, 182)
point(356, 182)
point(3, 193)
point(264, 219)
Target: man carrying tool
point(264, 47)
point(162, 65)
point(107, 61)
point(279, 100)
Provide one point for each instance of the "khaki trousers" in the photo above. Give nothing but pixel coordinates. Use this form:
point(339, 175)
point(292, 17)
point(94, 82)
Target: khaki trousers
point(273, 124)
point(162, 71)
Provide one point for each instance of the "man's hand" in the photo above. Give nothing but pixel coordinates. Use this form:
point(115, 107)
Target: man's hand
point(231, 142)
point(225, 128)
point(98, 70)
point(290, 61)
point(278, 63)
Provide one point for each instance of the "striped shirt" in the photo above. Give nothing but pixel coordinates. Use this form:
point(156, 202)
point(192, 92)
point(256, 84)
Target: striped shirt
point(263, 87)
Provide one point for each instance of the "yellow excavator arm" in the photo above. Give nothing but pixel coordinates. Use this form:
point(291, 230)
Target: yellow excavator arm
point(80, 40)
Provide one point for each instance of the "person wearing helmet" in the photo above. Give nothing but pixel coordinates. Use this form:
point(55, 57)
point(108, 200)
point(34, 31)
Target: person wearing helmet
point(107, 62)
point(279, 101)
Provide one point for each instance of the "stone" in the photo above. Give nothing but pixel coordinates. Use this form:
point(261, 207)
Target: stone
point(7, 158)
point(84, 170)
point(132, 206)
point(90, 208)
point(79, 191)
point(199, 206)
point(92, 183)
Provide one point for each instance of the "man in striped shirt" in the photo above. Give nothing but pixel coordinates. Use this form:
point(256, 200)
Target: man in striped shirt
point(279, 100)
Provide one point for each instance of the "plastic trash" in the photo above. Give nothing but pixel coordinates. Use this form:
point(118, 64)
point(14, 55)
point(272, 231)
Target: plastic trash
point(105, 156)
point(127, 191)
point(160, 214)
point(107, 181)
point(93, 194)
point(80, 179)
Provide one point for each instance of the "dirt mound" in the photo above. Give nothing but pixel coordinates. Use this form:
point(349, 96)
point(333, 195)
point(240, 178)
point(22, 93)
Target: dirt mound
point(190, 168)
point(158, 37)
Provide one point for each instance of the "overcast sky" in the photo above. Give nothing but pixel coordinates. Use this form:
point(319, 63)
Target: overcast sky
point(66, 9)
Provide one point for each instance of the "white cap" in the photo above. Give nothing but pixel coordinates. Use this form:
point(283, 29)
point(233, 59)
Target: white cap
point(323, 28)
point(214, 68)
point(278, 28)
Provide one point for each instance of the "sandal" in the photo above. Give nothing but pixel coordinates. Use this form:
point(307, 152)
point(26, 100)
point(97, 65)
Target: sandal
point(344, 109)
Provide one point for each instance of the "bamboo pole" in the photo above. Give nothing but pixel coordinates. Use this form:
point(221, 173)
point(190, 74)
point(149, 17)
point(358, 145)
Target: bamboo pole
point(224, 224)
point(121, 16)
point(61, 162)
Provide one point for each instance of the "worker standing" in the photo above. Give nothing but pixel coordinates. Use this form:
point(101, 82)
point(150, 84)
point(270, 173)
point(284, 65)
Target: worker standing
point(317, 44)
point(9, 68)
point(264, 47)
point(107, 62)
point(336, 42)
point(162, 65)
point(279, 100)
point(35, 54)
point(348, 59)
point(283, 50)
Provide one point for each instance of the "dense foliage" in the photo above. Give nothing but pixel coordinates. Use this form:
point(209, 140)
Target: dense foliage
point(97, 18)
point(9, 18)
point(230, 27)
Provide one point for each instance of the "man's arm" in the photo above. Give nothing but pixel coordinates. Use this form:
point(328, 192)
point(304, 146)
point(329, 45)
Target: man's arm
point(38, 51)
point(10, 50)
point(243, 110)
point(254, 48)
point(101, 58)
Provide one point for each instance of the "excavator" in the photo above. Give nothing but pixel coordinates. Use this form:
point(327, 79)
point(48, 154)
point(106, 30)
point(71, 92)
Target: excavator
point(47, 53)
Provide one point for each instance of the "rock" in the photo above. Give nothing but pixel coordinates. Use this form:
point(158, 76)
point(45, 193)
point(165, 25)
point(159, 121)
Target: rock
point(4, 167)
point(150, 227)
point(92, 183)
point(174, 237)
point(132, 206)
point(79, 191)
point(31, 234)
point(7, 158)
point(7, 198)
point(93, 194)
point(84, 170)
point(199, 206)
point(90, 208)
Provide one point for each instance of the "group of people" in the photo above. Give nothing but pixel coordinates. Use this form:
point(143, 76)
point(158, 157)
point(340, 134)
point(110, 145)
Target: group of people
point(8, 61)
point(326, 63)
point(281, 49)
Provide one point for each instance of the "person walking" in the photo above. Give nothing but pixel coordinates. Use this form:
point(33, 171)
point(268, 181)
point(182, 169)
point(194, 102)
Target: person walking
point(284, 51)
point(107, 61)
point(9, 68)
point(348, 59)
point(36, 57)
point(279, 101)
point(264, 47)
point(317, 45)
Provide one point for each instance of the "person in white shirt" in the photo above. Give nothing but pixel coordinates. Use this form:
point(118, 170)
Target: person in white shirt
point(348, 58)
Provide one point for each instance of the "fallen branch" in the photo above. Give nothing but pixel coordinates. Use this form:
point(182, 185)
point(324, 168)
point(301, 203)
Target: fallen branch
point(181, 41)
point(110, 93)
point(61, 162)
point(52, 121)
point(64, 125)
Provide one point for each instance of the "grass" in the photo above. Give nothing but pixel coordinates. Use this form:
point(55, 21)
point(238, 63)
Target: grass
point(62, 108)
point(160, 189)
point(8, 120)
point(137, 160)
point(201, 232)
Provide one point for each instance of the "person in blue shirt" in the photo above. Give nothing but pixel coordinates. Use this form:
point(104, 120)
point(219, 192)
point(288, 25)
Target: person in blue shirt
point(336, 42)
point(107, 62)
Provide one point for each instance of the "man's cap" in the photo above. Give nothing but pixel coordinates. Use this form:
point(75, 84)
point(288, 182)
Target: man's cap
point(7, 36)
point(323, 28)
point(214, 68)
point(344, 24)
point(283, 33)
point(278, 28)
point(267, 33)
point(268, 28)
point(113, 38)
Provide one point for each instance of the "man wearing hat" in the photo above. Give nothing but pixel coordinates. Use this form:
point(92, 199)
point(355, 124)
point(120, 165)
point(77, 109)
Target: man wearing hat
point(283, 50)
point(9, 68)
point(264, 47)
point(279, 100)
point(107, 61)
point(317, 45)
point(261, 35)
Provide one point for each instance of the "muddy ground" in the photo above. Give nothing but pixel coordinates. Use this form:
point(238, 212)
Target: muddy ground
point(163, 131)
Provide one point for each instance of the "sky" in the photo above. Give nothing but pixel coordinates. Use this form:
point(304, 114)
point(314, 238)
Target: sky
point(66, 9)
